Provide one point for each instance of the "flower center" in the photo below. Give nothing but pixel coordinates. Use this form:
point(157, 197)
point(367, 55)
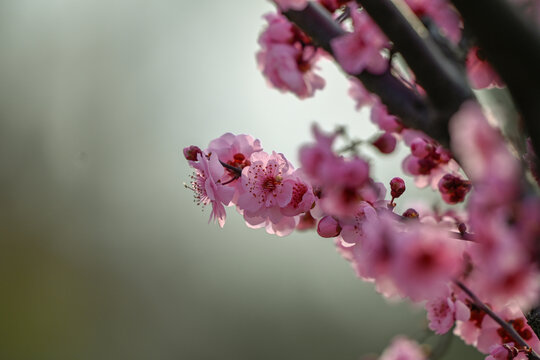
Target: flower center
point(270, 183)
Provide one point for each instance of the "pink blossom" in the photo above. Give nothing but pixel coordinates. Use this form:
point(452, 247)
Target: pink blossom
point(361, 49)
point(428, 161)
point(425, 262)
point(480, 72)
point(273, 194)
point(205, 184)
point(385, 121)
point(347, 187)
point(376, 249)
point(234, 150)
point(266, 185)
point(279, 31)
point(291, 4)
point(315, 158)
point(302, 198)
point(286, 60)
point(402, 348)
point(443, 311)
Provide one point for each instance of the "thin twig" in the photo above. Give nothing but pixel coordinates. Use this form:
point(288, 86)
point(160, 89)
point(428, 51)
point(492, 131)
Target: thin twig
point(506, 326)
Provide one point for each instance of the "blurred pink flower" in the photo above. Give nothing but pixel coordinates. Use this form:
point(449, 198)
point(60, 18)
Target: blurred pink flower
point(361, 49)
point(402, 348)
point(286, 60)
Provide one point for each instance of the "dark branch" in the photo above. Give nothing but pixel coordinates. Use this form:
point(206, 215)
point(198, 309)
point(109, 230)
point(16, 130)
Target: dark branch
point(400, 100)
point(512, 46)
point(445, 82)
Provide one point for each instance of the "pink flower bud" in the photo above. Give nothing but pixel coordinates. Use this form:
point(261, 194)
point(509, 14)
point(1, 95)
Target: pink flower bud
point(190, 153)
point(453, 189)
point(386, 143)
point(328, 227)
point(397, 186)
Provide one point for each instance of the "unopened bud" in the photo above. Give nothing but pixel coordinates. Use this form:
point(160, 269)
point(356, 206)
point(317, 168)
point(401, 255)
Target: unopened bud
point(411, 214)
point(453, 189)
point(397, 187)
point(386, 143)
point(328, 227)
point(190, 153)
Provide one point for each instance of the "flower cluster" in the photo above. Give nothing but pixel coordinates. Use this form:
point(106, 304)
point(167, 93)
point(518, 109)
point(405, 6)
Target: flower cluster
point(473, 267)
point(265, 188)
point(287, 58)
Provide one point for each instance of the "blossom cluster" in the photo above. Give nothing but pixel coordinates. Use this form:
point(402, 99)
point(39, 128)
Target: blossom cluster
point(265, 188)
point(419, 254)
point(469, 265)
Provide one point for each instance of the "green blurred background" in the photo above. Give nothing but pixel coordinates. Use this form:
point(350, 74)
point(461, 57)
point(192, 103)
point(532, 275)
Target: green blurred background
point(103, 254)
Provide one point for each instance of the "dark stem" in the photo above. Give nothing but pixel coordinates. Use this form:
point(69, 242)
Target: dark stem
point(413, 110)
point(512, 45)
point(506, 326)
point(444, 81)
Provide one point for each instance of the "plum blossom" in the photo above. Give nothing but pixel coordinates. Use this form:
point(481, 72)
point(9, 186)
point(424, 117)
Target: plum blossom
point(287, 59)
point(443, 311)
point(426, 261)
point(207, 187)
point(235, 151)
point(402, 348)
point(361, 49)
point(428, 161)
point(273, 193)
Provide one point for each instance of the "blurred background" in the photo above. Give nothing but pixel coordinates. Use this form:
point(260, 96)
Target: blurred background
point(103, 254)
